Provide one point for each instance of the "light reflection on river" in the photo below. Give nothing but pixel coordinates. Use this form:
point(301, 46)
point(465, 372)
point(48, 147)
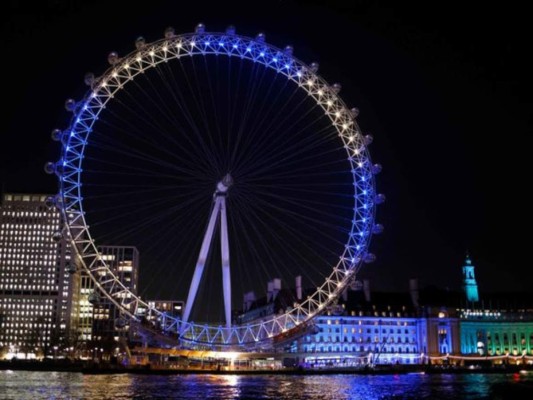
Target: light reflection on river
point(19, 385)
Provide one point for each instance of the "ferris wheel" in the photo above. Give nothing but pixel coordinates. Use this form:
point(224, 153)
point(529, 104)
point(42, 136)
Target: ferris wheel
point(210, 135)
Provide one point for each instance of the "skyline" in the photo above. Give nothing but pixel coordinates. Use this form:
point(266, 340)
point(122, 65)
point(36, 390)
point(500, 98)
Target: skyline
point(415, 77)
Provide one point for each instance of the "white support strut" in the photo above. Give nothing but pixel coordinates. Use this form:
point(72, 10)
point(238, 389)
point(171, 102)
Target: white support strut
point(218, 208)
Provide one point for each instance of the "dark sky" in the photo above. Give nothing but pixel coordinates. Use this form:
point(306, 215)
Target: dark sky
point(444, 87)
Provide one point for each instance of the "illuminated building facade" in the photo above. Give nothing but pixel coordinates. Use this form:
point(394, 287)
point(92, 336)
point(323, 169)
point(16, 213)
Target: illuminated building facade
point(368, 328)
point(123, 261)
point(38, 292)
point(495, 333)
point(375, 335)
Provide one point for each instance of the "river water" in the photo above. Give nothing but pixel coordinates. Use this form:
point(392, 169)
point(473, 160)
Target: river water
point(21, 385)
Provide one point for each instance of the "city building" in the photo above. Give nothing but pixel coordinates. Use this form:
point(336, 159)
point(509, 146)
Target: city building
point(38, 287)
point(108, 324)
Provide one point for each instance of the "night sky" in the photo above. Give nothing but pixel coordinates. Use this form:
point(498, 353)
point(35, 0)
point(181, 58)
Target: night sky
point(445, 90)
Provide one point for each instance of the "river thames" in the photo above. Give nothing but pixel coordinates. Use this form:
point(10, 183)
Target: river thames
point(65, 385)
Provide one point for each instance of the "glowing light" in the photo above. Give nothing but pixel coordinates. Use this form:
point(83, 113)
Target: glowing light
point(320, 92)
point(138, 59)
point(126, 66)
point(337, 114)
point(248, 49)
point(287, 66)
point(329, 103)
point(151, 53)
point(262, 54)
point(310, 82)
point(115, 74)
point(165, 48)
point(220, 44)
point(299, 74)
point(344, 126)
point(365, 192)
point(207, 43)
point(351, 138)
point(234, 46)
point(193, 44)
point(359, 164)
point(275, 59)
point(179, 45)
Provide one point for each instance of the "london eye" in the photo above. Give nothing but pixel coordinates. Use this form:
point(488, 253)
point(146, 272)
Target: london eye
point(235, 169)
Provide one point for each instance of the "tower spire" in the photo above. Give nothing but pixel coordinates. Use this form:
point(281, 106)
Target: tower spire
point(469, 280)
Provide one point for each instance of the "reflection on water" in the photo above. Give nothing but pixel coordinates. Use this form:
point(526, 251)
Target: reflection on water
point(61, 385)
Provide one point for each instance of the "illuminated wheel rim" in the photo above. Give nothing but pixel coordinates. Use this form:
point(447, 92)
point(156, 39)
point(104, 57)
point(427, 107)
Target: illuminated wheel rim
point(75, 138)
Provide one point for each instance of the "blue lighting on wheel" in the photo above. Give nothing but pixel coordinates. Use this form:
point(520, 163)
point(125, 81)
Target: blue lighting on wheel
point(236, 45)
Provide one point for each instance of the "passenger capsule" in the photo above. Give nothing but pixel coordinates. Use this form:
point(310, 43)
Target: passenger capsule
point(89, 79)
point(93, 298)
point(140, 43)
point(49, 168)
point(376, 169)
point(336, 87)
point(200, 28)
point(120, 322)
point(380, 199)
point(170, 33)
point(112, 58)
point(59, 168)
point(378, 229)
point(369, 139)
point(230, 30)
point(355, 112)
point(70, 105)
point(369, 258)
point(260, 38)
point(50, 202)
point(56, 135)
point(57, 236)
point(314, 67)
point(288, 50)
point(58, 201)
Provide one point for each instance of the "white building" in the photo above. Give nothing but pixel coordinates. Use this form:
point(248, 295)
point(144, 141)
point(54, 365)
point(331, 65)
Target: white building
point(38, 296)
